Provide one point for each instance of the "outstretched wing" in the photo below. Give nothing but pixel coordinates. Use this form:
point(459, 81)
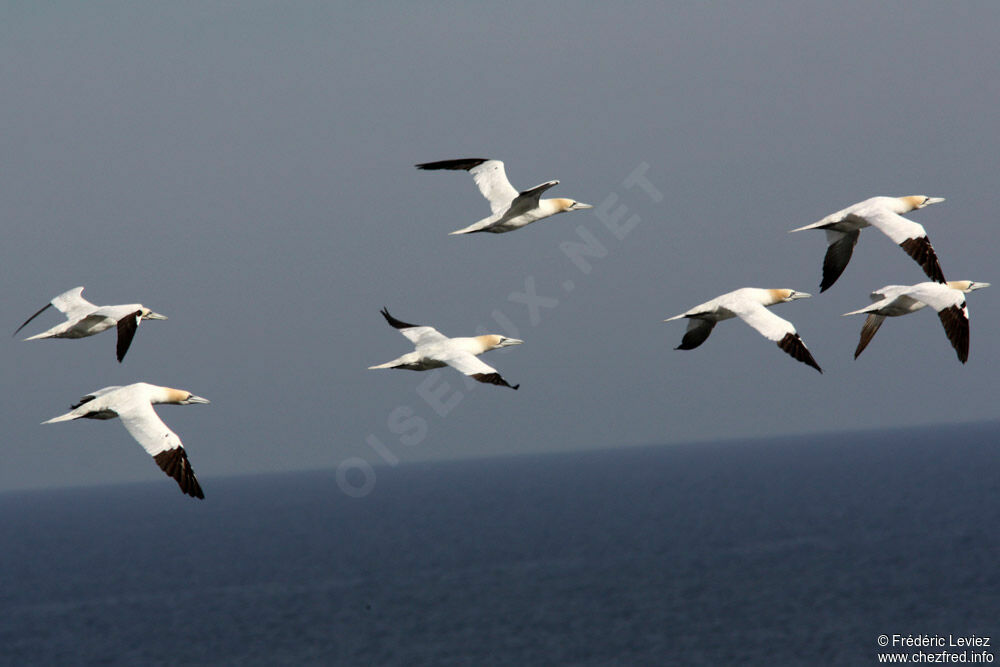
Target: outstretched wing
point(777, 329)
point(70, 303)
point(868, 331)
point(528, 200)
point(910, 236)
point(471, 365)
point(127, 327)
point(953, 312)
point(697, 333)
point(838, 254)
point(161, 443)
point(417, 334)
point(489, 175)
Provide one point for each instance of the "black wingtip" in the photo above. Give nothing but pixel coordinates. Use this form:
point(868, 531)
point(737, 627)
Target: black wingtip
point(463, 164)
point(393, 322)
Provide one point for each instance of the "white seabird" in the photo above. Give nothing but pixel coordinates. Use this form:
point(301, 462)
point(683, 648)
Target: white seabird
point(85, 319)
point(843, 227)
point(133, 404)
point(511, 209)
point(435, 350)
point(947, 299)
point(749, 304)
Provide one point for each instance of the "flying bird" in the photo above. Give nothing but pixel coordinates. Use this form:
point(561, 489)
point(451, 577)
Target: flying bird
point(510, 209)
point(947, 299)
point(133, 404)
point(750, 305)
point(85, 319)
point(435, 350)
point(843, 227)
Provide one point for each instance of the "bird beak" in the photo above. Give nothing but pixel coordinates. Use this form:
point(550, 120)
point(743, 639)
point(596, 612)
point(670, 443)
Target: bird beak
point(510, 341)
point(154, 316)
point(934, 200)
point(798, 295)
point(196, 399)
point(975, 286)
point(579, 206)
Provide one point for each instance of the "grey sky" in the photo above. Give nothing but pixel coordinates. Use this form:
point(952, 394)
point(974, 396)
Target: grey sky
point(246, 169)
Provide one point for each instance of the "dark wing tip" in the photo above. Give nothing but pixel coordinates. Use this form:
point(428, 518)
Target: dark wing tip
point(83, 399)
point(175, 463)
point(921, 250)
point(398, 324)
point(40, 311)
point(794, 346)
point(461, 164)
point(492, 378)
point(956, 326)
point(126, 332)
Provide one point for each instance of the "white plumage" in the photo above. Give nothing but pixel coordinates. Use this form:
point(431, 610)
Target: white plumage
point(510, 209)
point(750, 305)
point(133, 404)
point(843, 228)
point(86, 319)
point(947, 299)
point(432, 349)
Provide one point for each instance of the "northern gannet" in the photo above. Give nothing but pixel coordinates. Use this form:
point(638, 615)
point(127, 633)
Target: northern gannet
point(511, 209)
point(843, 227)
point(749, 304)
point(435, 350)
point(85, 319)
point(947, 299)
point(133, 404)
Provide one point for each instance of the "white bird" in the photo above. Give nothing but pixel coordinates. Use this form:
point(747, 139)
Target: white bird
point(749, 304)
point(947, 299)
point(843, 227)
point(511, 209)
point(85, 319)
point(133, 404)
point(435, 350)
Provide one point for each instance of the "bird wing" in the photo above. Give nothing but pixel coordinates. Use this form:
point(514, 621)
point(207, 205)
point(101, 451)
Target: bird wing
point(72, 304)
point(469, 364)
point(490, 177)
point(774, 328)
point(417, 334)
point(697, 333)
point(910, 236)
point(528, 200)
point(868, 331)
point(952, 310)
point(143, 424)
point(127, 327)
point(94, 394)
point(838, 254)
point(69, 303)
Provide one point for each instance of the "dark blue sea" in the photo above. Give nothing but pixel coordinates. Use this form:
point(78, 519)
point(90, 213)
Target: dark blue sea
point(767, 552)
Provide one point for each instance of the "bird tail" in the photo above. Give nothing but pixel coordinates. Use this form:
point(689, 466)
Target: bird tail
point(62, 418)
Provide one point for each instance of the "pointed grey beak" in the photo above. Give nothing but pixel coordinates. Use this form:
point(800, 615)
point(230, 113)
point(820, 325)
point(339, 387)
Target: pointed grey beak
point(510, 341)
point(798, 295)
point(154, 316)
point(192, 399)
point(977, 285)
point(580, 206)
point(934, 200)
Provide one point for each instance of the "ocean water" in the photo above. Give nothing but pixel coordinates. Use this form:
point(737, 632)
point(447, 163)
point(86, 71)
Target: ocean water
point(778, 552)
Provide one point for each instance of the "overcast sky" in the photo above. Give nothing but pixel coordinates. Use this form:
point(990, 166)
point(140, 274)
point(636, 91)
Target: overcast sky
point(247, 170)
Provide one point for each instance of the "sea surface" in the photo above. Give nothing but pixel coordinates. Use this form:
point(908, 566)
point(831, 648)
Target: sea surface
point(767, 552)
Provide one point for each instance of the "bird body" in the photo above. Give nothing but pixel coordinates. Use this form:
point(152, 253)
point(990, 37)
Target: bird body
point(750, 305)
point(948, 299)
point(510, 209)
point(133, 404)
point(435, 350)
point(884, 213)
point(83, 319)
